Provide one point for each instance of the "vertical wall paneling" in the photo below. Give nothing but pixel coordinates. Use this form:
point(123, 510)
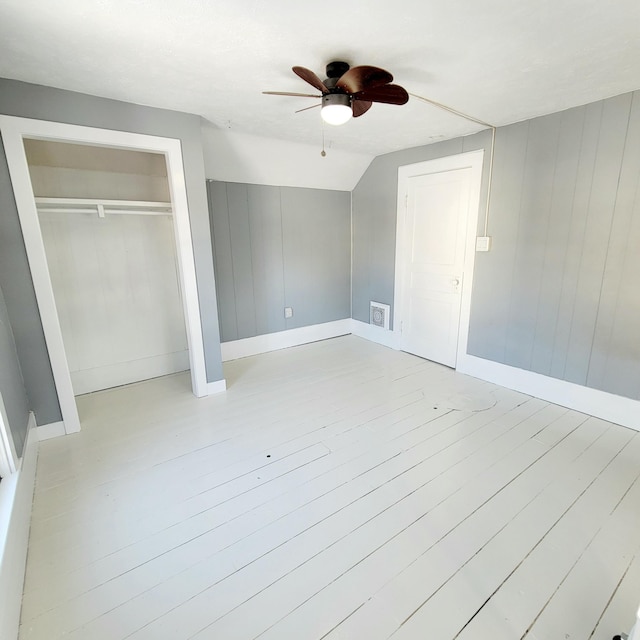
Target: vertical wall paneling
point(586, 153)
point(362, 258)
point(221, 235)
point(615, 358)
point(265, 230)
point(557, 240)
point(493, 273)
point(316, 243)
point(602, 197)
point(276, 247)
point(530, 242)
point(299, 247)
point(241, 259)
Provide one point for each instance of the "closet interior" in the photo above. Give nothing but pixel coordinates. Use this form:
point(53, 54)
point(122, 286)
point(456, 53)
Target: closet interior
point(107, 226)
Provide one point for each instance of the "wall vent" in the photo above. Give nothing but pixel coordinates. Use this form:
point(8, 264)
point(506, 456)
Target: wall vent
point(379, 315)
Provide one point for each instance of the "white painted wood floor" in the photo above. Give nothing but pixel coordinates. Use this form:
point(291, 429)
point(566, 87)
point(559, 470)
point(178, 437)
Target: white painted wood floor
point(337, 490)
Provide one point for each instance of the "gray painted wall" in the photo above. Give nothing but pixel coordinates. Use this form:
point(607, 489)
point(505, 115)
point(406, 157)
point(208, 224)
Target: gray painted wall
point(12, 388)
point(558, 294)
point(277, 247)
point(45, 103)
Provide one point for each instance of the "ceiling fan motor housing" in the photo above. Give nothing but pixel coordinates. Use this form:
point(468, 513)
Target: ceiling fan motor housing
point(336, 69)
point(336, 99)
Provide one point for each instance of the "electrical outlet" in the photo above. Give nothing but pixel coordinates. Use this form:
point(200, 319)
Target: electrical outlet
point(483, 243)
point(288, 312)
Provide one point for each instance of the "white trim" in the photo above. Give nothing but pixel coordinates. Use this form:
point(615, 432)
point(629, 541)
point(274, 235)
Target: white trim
point(8, 456)
point(13, 131)
point(216, 387)
point(375, 334)
point(284, 339)
point(120, 373)
point(608, 406)
point(51, 430)
point(16, 497)
point(473, 161)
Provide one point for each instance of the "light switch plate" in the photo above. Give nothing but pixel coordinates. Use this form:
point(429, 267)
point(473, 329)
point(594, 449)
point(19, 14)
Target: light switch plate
point(483, 243)
point(288, 312)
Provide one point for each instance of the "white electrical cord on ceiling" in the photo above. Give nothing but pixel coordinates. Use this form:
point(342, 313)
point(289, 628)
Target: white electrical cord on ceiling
point(493, 144)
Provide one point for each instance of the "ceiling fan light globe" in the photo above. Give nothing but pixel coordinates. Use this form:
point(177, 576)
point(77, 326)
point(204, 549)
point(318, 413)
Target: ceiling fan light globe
point(336, 108)
point(336, 114)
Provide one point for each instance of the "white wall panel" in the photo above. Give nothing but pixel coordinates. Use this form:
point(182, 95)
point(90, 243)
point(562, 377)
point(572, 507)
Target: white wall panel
point(117, 294)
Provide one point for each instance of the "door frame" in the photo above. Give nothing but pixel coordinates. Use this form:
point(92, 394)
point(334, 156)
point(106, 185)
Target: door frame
point(470, 160)
point(8, 456)
point(14, 131)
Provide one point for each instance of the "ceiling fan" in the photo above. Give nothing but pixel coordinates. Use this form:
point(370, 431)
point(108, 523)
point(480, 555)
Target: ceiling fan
point(348, 91)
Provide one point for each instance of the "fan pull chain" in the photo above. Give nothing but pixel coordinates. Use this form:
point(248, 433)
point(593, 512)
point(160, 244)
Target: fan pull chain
point(323, 153)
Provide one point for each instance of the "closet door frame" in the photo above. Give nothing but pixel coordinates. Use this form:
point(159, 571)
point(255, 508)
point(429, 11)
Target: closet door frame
point(14, 131)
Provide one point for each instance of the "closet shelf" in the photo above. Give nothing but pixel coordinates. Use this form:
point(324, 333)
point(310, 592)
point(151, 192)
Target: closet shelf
point(103, 207)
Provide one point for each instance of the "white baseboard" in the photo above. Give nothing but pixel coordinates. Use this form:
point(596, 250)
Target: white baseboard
point(16, 498)
point(608, 406)
point(51, 430)
point(120, 373)
point(284, 339)
point(215, 387)
point(375, 334)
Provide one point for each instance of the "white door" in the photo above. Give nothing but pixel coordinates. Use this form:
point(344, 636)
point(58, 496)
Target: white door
point(438, 211)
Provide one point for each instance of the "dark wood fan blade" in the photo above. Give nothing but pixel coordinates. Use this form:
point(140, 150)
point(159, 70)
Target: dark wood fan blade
point(287, 93)
point(363, 77)
point(359, 107)
point(307, 108)
point(308, 76)
point(389, 93)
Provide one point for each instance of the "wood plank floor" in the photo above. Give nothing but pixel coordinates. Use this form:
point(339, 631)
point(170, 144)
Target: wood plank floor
point(338, 490)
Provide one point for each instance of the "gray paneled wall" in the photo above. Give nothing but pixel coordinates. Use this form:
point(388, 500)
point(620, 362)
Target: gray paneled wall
point(558, 294)
point(277, 247)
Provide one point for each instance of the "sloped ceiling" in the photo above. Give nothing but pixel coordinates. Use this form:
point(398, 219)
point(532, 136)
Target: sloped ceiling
point(501, 61)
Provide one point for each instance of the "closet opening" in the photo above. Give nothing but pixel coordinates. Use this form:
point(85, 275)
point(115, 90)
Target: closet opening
point(117, 229)
point(105, 216)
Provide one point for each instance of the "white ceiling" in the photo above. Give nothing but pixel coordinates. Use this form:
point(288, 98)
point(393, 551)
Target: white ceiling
point(499, 60)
